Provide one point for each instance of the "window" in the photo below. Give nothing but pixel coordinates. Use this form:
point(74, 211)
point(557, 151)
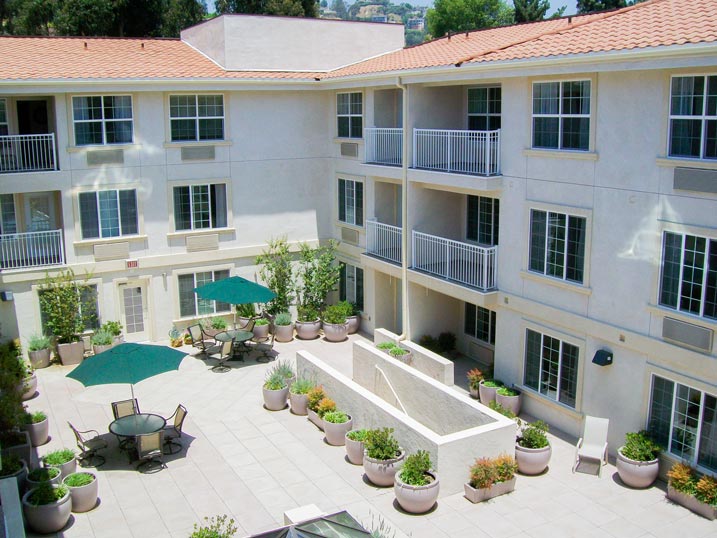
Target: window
point(351, 285)
point(557, 245)
point(693, 117)
point(349, 113)
point(689, 274)
point(484, 108)
point(351, 202)
point(108, 213)
point(190, 304)
point(684, 420)
point(200, 206)
point(480, 323)
point(89, 309)
point(8, 222)
point(482, 220)
point(4, 129)
point(196, 117)
point(551, 367)
point(102, 119)
point(561, 115)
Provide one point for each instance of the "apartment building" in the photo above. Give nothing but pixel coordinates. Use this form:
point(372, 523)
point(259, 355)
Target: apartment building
point(546, 191)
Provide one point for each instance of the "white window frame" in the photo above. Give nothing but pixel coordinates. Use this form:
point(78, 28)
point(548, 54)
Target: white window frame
point(702, 118)
point(492, 324)
point(5, 123)
point(354, 205)
point(196, 297)
point(99, 213)
point(561, 115)
point(578, 367)
point(568, 216)
point(487, 114)
point(197, 117)
point(103, 121)
point(191, 187)
point(349, 115)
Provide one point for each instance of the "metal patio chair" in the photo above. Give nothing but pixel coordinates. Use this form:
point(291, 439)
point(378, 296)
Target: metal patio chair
point(226, 352)
point(149, 450)
point(89, 445)
point(200, 339)
point(173, 431)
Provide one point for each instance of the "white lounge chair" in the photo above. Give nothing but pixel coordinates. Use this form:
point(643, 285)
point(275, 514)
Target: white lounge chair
point(593, 444)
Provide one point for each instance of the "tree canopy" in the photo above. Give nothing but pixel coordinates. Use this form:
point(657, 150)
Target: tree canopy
point(464, 15)
point(588, 6)
point(290, 8)
point(534, 10)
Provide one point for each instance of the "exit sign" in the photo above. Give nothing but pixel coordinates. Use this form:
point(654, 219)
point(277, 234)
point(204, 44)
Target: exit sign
point(132, 264)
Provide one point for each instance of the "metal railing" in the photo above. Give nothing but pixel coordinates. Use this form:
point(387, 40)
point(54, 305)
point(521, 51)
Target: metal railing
point(27, 153)
point(31, 249)
point(467, 264)
point(384, 145)
point(383, 241)
point(462, 152)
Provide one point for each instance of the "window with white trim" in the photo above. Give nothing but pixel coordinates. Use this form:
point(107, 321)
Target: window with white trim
point(102, 119)
point(693, 117)
point(351, 201)
point(561, 115)
point(484, 108)
point(196, 117)
point(8, 220)
point(482, 218)
point(351, 284)
point(200, 206)
point(557, 245)
point(4, 128)
point(551, 367)
point(88, 309)
point(479, 323)
point(190, 304)
point(109, 213)
point(688, 281)
point(684, 420)
point(349, 114)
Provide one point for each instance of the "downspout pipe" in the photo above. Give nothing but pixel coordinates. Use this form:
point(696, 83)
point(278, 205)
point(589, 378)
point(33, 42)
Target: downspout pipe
point(405, 325)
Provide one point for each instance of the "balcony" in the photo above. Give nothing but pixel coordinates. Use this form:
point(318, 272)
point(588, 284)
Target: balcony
point(383, 241)
point(384, 146)
point(31, 249)
point(460, 152)
point(464, 263)
point(27, 153)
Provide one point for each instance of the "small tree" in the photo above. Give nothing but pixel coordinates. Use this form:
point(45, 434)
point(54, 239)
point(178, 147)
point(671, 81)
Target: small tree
point(12, 371)
point(61, 303)
point(276, 273)
point(318, 275)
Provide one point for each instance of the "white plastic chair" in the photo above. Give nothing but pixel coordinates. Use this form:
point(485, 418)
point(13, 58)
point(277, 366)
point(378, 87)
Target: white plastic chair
point(593, 444)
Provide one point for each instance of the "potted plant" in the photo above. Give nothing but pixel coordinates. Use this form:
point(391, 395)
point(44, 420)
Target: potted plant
point(637, 460)
point(383, 456)
point(336, 425)
point(261, 328)
point(508, 398)
point(42, 475)
point(317, 274)
point(416, 485)
point(214, 326)
point(532, 448)
point(101, 341)
point(487, 389)
point(314, 396)
point(28, 383)
point(14, 467)
point(47, 508)
point(83, 488)
point(63, 458)
point(299, 396)
point(283, 327)
point(275, 391)
point(308, 323)
point(245, 313)
point(495, 406)
point(397, 352)
point(276, 272)
point(12, 410)
point(353, 315)
point(326, 405)
point(284, 368)
point(38, 350)
point(475, 376)
point(176, 339)
point(490, 478)
point(114, 328)
point(355, 446)
point(694, 492)
point(37, 426)
point(336, 329)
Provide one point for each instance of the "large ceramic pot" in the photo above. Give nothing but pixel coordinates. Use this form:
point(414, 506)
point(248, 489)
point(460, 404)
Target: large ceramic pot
point(100, 349)
point(336, 433)
point(66, 468)
point(84, 498)
point(56, 480)
point(39, 358)
point(483, 494)
point(416, 499)
point(354, 324)
point(284, 333)
point(487, 394)
point(117, 340)
point(20, 476)
point(354, 450)
point(382, 472)
point(19, 445)
point(28, 387)
point(275, 400)
point(261, 331)
point(38, 432)
point(308, 330)
point(71, 353)
point(336, 332)
point(47, 518)
point(512, 403)
point(637, 474)
point(532, 461)
point(315, 418)
point(299, 403)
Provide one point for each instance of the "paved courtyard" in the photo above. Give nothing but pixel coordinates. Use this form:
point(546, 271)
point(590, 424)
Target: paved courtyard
point(253, 464)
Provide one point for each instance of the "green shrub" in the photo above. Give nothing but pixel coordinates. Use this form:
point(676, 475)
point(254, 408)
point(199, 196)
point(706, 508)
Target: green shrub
point(274, 381)
point(475, 376)
point(336, 417)
point(505, 467)
point(58, 457)
point(261, 322)
point(215, 527)
point(385, 346)
point(639, 446)
point(334, 315)
point(706, 490)
point(380, 444)
point(357, 435)
point(301, 386)
point(102, 338)
point(282, 319)
point(492, 383)
point(317, 274)
point(76, 480)
point(246, 310)
point(326, 405)
point(495, 406)
point(276, 271)
point(35, 417)
point(346, 307)
point(37, 342)
point(446, 341)
point(534, 435)
point(284, 368)
point(46, 494)
point(398, 351)
point(415, 469)
point(505, 391)
point(307, 313)
point(218, 323)
point(483, 474)
point(682, 478)
point(315, 395)
point(43, 474)
point(10, 465)
point(112, 327)
point(67, 310)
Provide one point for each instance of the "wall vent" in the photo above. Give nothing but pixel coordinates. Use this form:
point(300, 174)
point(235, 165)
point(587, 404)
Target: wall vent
point(198, 153)
point(349, 236)
point(112, 251)
point(349, 149)
point(695, 179)
point(105, 156)
point(688, 334)
point(196, 243)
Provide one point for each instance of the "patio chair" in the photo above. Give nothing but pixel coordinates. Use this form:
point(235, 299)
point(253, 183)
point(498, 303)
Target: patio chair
point(200, 339)
point(173, 431)
point(226, 352)
point(593, 444)
point(149, 450)
point(264, 346)
point(248, 326)
point(124, 408)
point(89, 445)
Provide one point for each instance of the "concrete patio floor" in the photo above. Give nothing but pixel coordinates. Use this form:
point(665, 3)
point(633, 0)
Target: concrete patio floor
point(252, 464)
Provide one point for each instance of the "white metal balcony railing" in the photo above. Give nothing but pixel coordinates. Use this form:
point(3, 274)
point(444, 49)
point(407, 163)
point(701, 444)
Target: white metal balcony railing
point(31, 249)
point(27, 153)
point(467, 264)
point(383, 241)
point(462, 152)
point(384, 145)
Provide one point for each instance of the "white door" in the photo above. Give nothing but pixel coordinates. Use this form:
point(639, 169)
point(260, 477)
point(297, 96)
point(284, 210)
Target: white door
point(133, 304)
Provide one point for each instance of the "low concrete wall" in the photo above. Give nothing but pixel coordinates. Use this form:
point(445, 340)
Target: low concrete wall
point(487, 433)
point(424, 360)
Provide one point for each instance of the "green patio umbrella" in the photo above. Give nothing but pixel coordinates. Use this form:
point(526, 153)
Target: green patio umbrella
point(235, 290)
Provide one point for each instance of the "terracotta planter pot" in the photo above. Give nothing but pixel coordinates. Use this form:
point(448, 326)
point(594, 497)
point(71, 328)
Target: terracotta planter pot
point(354, 450)
point(22, 448)
point(483, 494)
point(84, 498)
point(691, 503)
point(34, 483)
point(416, 499)
point(511, 403)
point(308, 330)
point(71, 353)
point(38, 432)
point(100, 349)
point(39, 358)
point(336, 332)
point(487, 394)
point(65, 468)
point(47, 518)
point(20, 476)
point(299, 403)
point(261, 331)
point(314, 417)
point(354, 324)
point(336, 433)
point(532, 461)
point(284, 333)
point(28, 387)
point(275, 400)
point(636, 474)
point(382, 472)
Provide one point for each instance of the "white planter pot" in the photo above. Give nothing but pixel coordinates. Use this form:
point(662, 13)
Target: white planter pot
point(636, 474)
point(261, 331)
point(22, 449)
point(275, 400)
point(512, 403)
point(483, 494)
point(33, 483)
point(20, 476)
point(39, 358)
point(117, 340)
point(28, 387)
point(47, 518)
point(84, 498)
point(65, 468)
point(354, 450)
point(38, 432)
point(474, 393)
point(354, 324)
point(487, 394)
point(308, 330)
point(284, 333)
point(100, 349)
point(336, 332)
point(382, 472)
point(532, 461)
point(299, 403)
point(336, 433)
point(315, 418)
point(691, 503)
point(71, 353)
point(416, 499)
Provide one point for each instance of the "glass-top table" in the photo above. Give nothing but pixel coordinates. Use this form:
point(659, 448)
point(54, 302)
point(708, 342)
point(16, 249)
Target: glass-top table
point(240, 337)
point(139, 424)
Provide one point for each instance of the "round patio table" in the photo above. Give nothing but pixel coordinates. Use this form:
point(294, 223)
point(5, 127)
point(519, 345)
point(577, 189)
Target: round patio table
point(240, 337)
point(139, 424)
